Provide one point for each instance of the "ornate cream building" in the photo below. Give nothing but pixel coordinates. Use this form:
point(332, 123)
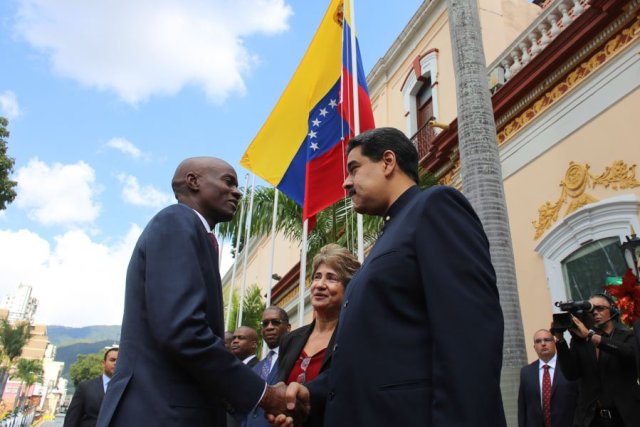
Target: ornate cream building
point(565, 80)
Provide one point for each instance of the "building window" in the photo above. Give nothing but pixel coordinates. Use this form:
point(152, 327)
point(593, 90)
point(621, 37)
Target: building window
point(582, 252)
point(592, 266)
point(420, 99)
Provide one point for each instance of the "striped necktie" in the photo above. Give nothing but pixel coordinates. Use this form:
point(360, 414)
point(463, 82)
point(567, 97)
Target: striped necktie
point(266, 366)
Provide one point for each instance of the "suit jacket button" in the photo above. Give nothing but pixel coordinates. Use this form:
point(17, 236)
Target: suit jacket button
point(331, 395)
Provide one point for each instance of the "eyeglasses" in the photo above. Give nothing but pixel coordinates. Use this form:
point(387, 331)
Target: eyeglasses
point(302, 377)
point(541, 340)
point(274, 322)
point(600, 308)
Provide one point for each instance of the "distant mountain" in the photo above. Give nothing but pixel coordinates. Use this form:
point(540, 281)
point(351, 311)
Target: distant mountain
point(69, 353)
point(65, 335)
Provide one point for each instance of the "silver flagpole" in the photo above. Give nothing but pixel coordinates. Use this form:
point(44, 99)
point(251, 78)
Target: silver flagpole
point(246, 249)
point(273, 244)
point(235, 261)
point(356, 110)
point(272, 256)
point(303, 272)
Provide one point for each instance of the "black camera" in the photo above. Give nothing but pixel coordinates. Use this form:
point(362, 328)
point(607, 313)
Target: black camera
point(563, 321)
point(574, 307)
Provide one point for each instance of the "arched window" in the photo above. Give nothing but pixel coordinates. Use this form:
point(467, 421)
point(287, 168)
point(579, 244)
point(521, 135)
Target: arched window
point(589, 268)
point(582, 252)
point(420, 99)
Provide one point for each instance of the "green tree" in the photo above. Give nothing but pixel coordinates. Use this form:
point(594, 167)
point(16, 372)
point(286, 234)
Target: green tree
point(335, 224)
point(28, 372)
point(87, 366)
point(7, 192)
point(12, 340)
point(482, 182)
point(251, 312)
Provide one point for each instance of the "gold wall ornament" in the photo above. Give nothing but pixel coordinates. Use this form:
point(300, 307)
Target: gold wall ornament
point(618, 176)
point(577, 180)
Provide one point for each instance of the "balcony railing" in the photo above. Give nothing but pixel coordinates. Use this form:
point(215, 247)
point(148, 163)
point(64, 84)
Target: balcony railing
point(423, 140)
point(556, 16)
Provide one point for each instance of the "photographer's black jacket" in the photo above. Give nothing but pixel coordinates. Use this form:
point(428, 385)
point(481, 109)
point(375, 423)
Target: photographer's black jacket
point(608, 381)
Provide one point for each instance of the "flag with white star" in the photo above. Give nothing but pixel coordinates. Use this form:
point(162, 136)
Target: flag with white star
point(301, 148)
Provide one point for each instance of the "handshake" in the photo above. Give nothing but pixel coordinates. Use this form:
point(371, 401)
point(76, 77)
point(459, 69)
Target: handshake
point(286, 406)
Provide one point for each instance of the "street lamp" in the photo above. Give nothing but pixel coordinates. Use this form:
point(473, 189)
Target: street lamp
point(631, 253)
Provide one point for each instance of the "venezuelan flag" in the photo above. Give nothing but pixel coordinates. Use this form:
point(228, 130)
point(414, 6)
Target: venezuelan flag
point(301, 147)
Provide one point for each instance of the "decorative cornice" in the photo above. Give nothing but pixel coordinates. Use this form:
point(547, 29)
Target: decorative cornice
point(577, 179)
point(611, 48)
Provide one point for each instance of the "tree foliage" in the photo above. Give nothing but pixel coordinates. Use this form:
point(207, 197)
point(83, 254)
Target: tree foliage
point(28, 371)
point(251, 311)
point(7, 192)
point(86, 367)
point(12, 339)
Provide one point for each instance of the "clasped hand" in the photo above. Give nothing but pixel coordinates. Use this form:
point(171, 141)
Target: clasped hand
point(286, 406)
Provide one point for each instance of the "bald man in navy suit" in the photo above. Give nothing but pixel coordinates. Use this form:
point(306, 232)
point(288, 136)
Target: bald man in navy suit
point(173, 368)
point(564, 393)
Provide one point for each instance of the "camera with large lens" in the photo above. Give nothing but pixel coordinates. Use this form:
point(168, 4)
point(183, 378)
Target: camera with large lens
point(563, 321)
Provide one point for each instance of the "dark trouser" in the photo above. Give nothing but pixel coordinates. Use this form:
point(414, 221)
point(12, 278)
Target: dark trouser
point(607, 418)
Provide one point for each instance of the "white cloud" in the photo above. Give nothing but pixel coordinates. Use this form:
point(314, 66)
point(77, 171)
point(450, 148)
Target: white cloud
point(150, 47)
point(9, 104)
point(77, 281)
point(124, 146)
point(57, 194)
point(146, 195)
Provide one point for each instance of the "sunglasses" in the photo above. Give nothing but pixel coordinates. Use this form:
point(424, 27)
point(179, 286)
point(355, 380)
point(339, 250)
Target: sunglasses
point(274, 322)
point(600, 308)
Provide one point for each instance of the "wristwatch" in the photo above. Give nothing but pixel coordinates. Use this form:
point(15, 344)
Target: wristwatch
point(590, 334)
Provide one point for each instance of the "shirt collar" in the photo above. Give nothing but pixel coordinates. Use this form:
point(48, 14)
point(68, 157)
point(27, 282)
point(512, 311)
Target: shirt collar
point(400, 203)
point(204, 221)
point(551, 362)
point(246, 360)
point(105, 381)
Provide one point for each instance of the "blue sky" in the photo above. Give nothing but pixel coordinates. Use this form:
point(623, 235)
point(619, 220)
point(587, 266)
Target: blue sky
point(105, 98)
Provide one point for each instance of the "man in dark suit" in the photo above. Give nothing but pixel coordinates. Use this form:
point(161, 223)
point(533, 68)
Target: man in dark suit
point(419, 340)
point(244, 345)
point(275, 325)
point(603, 361)
point(173, 368)
point(562, 393)
point(85, 404)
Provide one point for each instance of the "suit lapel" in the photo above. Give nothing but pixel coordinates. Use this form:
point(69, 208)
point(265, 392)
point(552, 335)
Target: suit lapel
point(556, 377)
point(534, 377)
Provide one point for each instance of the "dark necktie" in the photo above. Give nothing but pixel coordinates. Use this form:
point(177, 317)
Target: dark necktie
point(546, 396)
point(266, 366)
point(214, 242)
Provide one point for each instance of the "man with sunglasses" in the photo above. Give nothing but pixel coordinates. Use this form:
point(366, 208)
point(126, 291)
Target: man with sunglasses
point(602, 359)
point(275, 325)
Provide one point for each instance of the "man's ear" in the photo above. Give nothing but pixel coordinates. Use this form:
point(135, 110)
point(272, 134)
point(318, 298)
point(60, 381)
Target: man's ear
point(389, 162)
point(192, 181)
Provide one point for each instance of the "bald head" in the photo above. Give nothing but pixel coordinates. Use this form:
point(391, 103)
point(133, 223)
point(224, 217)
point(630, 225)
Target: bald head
point(197, 165)
point(245, 342)
point(209, 185)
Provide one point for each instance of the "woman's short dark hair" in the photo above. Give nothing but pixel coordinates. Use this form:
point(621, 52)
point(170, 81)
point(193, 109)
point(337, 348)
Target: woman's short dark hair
point(375, 142)
point(338, 258)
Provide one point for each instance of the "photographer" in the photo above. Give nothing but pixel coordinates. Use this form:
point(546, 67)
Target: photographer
point(603, 360)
